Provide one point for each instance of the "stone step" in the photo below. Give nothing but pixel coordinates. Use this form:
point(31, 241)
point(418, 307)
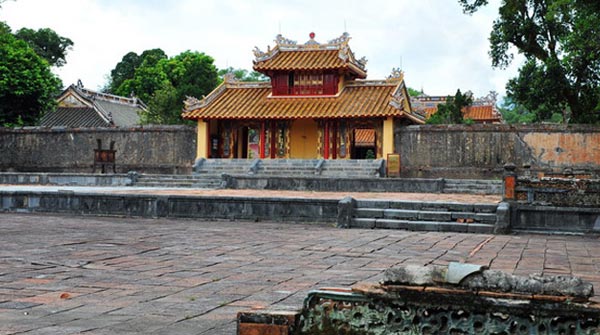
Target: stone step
point(427, 206)
point(424, 215)
point(370, 223)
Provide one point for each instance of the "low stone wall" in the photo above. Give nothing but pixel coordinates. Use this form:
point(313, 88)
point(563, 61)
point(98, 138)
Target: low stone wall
point(202, 207)
point(335, 184)
point(553, 205)
point(149, 149)
point(78, 179)
point(568, 192)
point(480, 151)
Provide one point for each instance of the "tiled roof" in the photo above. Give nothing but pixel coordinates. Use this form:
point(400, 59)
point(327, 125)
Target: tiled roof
point(73, 117)
point(303, 60)
point(81, 107)
point(364, 137)
point(253, 101)
point(288, 55)
point(481, 113)
point(476, 113)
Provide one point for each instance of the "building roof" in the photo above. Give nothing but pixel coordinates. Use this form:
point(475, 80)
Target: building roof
point(79, 107)
point(287, 55)
point(483, 110)
point(358, 99)
point(364, 137)
point(74, 117)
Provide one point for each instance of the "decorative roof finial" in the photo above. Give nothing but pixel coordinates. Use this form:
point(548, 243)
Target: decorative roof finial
point(311, 35)
point(396, 74)
point(79, 84)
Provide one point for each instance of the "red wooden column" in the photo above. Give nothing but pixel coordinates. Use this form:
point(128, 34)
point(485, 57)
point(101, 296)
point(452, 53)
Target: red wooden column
point(261, 149)
point(334, 132)
point(326, 141)
point(273, 150)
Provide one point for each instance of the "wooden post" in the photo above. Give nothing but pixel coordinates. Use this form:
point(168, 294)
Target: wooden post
point(334, 140)
point(261, 149)
point(326, 141)
point(510, 182)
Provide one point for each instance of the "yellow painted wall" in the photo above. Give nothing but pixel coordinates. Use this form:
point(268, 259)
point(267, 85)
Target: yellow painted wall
point(303, 139)
point(203, 140)
point(388, 137)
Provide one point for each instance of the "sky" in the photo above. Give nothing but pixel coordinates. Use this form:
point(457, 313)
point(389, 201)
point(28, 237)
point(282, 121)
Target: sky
point(439, 48)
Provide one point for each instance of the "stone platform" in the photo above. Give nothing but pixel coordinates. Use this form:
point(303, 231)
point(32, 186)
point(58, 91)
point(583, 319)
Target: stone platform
point(62, 274)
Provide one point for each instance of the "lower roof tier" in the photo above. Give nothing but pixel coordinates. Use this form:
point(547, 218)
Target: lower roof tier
point(359, 99)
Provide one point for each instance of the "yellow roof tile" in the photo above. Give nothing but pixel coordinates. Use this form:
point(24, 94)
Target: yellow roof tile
point(252, 101)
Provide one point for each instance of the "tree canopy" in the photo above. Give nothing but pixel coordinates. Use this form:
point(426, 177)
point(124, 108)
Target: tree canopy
point(162, 82)
point(242, 75)
point(27, 86)
point(47, 44)
point(451, 112)
point(559, 40)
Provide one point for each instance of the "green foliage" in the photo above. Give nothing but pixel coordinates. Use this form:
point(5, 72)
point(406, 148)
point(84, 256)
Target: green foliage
point(47, 44)
point(370, 154)
point(125, 69)
point(559, 41)
point(164, 82)
point(242, 75)
point(451, 111)
point(27, 86)
point(514, 113)
point(413, 92)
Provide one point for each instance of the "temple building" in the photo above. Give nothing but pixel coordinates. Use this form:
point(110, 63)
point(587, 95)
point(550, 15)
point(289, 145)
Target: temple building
point(80, 107)
point(482, 110)
point(318, 104)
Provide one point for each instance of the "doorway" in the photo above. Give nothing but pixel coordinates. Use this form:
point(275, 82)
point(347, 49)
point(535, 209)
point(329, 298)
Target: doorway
point(364, 143)
point(303, 139)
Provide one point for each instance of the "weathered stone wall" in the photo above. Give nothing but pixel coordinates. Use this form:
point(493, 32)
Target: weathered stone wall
point(155, 149)
point(480, 151)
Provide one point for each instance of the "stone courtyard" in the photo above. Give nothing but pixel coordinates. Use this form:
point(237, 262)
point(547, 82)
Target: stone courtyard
point(114, 275)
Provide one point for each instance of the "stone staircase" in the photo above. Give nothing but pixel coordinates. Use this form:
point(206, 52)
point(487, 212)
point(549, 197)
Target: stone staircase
point(217, 167)
point(353, 168)
point(187, 181)
point(425, 216)
point(288, 167)
point(348, 168)
point(472, 186)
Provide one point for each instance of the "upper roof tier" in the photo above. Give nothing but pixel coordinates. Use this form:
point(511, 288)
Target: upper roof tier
point(288, 55)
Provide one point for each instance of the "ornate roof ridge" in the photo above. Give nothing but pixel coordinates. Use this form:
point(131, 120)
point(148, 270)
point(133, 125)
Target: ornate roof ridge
point(94, 95)
point(340, 44)
point(370, 82)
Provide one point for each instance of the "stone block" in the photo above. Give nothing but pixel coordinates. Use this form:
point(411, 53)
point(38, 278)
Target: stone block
point(363, 223)
point(368, 213)
point(422, 225)
point(480, 228)
point(435, 216)
point(452, 227)
point(409, 205)
point(391, 224)
point(400, 214)
point(345, 212)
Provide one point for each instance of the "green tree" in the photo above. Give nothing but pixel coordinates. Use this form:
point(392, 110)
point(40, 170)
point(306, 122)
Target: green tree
point(451, 112)
point(125, 69)
point(27, 86)
point(47, 44)
point(242, 75)
point(163, 83)
point(513, 112)
point(414, 92)
point(558, 39)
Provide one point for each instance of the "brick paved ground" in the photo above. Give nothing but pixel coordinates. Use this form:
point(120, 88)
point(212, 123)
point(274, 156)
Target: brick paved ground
point(469, 198)
point(93, 275)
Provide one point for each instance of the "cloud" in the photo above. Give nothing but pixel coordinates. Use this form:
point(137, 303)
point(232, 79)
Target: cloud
point(438, 47)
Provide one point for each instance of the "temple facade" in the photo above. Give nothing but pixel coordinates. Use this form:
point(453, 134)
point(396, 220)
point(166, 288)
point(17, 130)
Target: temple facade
point(317, 104)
